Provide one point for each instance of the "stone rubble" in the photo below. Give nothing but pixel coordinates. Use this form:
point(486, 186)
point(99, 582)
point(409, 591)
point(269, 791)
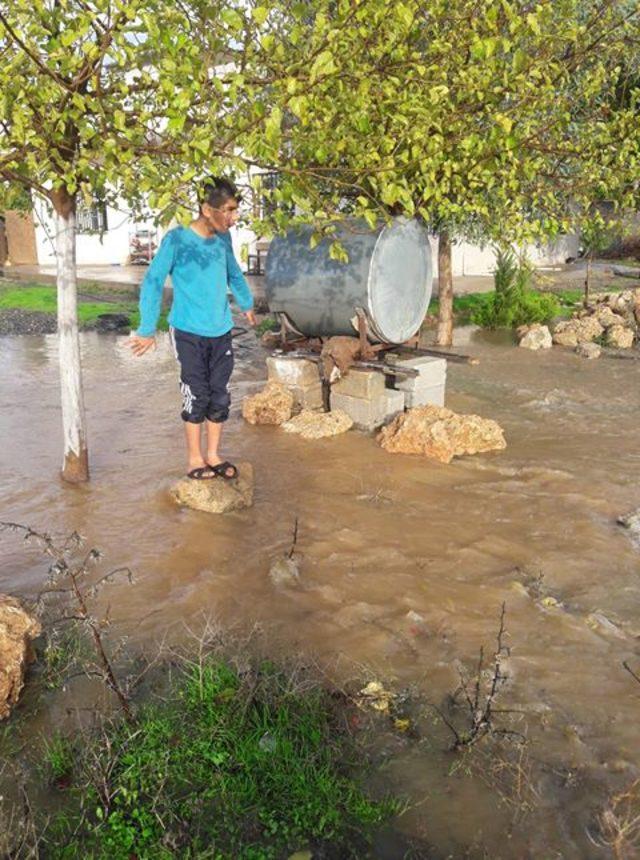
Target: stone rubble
point(612, 318)
point(273, 405)
point(318, 425)
point(441, 434)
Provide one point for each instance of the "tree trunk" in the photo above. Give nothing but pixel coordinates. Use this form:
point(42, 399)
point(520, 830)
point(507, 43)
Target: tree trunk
point(444, 336)
point(587, 283)
point(75, 466)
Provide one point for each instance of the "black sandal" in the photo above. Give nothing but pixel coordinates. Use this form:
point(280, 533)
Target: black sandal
point(222, 470)
point(202, 473)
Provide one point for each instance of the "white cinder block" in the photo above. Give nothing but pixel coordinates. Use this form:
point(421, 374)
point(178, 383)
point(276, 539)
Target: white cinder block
point(292, 371)
point(431, 372)
point(433, 396)
point(361, 383)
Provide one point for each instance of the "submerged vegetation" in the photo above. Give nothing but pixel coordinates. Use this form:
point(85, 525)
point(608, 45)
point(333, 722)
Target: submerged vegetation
point(208, 755)
point(224, 763)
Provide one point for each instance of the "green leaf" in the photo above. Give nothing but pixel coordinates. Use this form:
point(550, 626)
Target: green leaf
point(232, 19)
point(324, 64)
point(260, 14)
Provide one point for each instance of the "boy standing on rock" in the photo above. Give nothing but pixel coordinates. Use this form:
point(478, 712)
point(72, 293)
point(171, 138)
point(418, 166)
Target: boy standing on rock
point(202, 265)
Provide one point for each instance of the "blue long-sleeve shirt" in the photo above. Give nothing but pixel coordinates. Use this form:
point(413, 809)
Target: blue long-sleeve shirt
point(200, 269)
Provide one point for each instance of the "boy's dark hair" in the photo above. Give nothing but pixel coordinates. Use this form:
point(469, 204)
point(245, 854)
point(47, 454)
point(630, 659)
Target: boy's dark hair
point(217, 191)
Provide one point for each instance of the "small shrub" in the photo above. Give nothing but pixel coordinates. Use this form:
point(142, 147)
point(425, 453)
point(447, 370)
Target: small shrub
point(58, 758)
point(514, 302)
point(226, 765)
point(267, 324)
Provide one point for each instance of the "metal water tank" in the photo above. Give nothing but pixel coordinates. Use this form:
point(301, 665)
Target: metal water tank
point(389, 276)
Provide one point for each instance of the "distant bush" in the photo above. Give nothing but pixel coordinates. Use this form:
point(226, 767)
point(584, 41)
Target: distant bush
point(514, 302)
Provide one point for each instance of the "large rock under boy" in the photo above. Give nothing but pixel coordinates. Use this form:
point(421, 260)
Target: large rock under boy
point(217, 495)
point(17, 629)
point(273, 405)
point(441, 434)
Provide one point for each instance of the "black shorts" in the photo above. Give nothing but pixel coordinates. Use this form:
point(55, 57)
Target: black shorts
point(206, 364)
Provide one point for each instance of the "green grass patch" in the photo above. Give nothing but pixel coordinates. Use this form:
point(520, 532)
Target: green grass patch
point(226, 765)
point(463, 306)
point(42, 299)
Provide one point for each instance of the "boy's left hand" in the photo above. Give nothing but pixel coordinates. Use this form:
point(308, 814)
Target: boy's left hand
point(251, 318)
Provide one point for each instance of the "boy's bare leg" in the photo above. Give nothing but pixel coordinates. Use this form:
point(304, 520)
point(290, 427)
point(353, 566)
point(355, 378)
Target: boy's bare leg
point(192, 434)
point(214, 434)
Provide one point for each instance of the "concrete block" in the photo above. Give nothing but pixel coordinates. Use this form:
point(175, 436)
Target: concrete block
point(431, 372)
point(361, 383)
point(433, 395)
point(368, 414)
point(395, 403)
point(307, 396)
point(292, 371)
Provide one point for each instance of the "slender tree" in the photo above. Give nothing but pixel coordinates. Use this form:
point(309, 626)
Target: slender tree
point(122, 101)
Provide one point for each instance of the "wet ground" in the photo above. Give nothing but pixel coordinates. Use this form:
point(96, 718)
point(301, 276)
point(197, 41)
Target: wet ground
point(381, 536)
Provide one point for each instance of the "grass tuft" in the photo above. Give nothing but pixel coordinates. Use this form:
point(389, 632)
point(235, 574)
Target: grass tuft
point(228, 765)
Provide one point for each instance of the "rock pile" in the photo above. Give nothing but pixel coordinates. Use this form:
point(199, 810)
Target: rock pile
point(441, 434)
point(613, 318)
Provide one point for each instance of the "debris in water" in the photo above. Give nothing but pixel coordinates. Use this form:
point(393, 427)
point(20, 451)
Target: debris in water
point(631, 521)
point(599, 622)
point(375, 696)
point(284, 571)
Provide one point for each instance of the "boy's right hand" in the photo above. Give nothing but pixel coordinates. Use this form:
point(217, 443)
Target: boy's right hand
point(139, 345)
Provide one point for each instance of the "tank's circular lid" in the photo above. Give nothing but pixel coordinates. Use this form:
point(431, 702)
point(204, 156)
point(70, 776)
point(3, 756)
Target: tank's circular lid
point(400, 280)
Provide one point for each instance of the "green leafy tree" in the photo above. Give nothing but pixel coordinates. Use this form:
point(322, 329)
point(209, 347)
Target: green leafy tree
point(493, 122)
point(124, 100)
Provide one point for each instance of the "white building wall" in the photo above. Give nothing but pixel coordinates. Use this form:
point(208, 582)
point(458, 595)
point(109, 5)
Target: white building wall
point(112, 247)
point(475, 260)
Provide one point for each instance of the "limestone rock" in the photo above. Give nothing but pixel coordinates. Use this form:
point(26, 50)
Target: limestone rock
point(217, 495)
point(536, 337)
point(620, 337)
point(606, 317)
point(565, 334)
point(284, 571)
point(573, 332)
point(17, 629)
point(441, 434)
point(588, 350)
point(272, 405)
point(317, 425)
point(631, 521)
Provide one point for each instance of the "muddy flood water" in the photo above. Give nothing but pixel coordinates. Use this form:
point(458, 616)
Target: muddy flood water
point(381, 536)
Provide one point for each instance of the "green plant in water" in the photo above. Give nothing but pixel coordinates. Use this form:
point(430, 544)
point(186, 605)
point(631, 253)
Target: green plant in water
point(514, 302)
point(58, 758)
point(267, 324)
point(228, 765)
